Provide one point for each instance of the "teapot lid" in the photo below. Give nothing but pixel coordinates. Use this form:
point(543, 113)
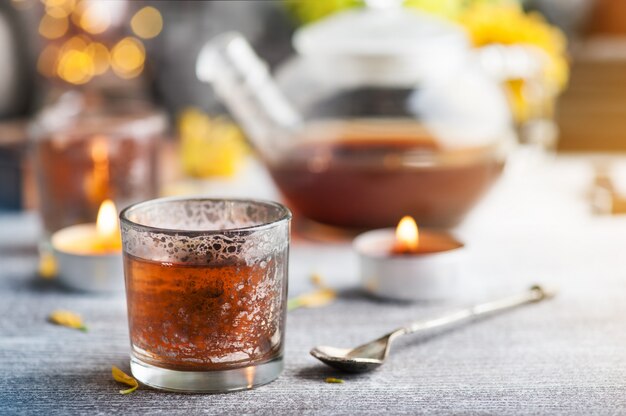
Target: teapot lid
point(382, 29)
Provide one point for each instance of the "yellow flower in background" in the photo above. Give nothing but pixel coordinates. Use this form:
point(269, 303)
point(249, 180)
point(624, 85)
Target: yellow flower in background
point(210, 146)
point(508, 24)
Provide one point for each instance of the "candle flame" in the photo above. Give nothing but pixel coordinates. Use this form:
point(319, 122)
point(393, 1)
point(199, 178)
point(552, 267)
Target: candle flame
point(407, 236)
point(107, 224)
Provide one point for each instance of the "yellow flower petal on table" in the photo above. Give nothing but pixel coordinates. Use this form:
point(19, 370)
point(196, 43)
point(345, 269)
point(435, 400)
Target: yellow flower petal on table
point(334, 380)
point(320, 297)
point(122, 377)
point(68, 319)
point(47, 266)
point(317, 280)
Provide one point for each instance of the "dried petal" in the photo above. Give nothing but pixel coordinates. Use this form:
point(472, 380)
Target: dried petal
point(333, 380)
point(122, 377)
point(317, 280)
point(47, 265)
point(68, 319)
point(320, 297)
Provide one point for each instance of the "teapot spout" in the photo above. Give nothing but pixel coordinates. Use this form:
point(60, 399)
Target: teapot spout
point(242, 81)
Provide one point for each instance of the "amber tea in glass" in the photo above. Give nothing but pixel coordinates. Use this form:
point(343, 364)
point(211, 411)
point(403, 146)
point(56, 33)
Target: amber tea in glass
point(206, 287)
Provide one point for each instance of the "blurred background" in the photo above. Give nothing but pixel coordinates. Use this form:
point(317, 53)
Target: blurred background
point(132, 65)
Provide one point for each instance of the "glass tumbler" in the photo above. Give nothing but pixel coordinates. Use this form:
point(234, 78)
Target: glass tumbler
point(88, 152)
point(206, 288)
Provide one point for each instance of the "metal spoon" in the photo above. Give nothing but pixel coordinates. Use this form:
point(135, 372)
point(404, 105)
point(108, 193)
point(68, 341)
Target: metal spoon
point(368, 357)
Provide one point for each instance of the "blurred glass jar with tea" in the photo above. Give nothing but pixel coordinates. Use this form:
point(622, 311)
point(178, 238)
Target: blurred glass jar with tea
point(383, 112)
point(90, 148)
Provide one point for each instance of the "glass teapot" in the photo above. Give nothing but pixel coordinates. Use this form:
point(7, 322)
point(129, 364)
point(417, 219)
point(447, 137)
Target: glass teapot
point(383, 112)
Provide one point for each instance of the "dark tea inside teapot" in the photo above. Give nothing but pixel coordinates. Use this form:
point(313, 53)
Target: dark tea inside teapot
point(366, 174)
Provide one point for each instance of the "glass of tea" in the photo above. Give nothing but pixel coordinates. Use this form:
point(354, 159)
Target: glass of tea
point(206, 289)
point(89, 149)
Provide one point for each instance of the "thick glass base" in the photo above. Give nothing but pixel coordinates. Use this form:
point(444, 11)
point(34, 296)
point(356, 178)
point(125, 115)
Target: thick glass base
point(206, 381)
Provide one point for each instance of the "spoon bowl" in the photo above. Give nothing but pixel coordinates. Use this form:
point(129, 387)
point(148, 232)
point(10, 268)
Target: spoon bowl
point(366, 357)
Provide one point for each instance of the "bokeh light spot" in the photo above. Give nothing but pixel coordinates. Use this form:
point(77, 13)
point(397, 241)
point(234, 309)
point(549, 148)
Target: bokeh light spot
point(95, 17)
point(53, 28)
point(78, 43)
point(75, 67)
point(147, 23)
point(60, 8)
point(57, 3)
point(128, 57)
point(100, 56)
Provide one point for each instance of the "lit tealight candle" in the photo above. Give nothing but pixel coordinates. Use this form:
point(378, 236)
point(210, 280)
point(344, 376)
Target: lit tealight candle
point(407, 236)
point(408, 264)
point(89, 256)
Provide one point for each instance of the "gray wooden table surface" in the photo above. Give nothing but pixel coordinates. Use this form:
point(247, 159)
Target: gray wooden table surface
point(567, 356)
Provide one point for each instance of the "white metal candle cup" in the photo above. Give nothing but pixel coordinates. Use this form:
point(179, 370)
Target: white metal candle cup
point(85, 271)
point(429, 275)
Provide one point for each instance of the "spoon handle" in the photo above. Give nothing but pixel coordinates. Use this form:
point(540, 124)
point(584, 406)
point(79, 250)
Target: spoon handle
point(534, 294)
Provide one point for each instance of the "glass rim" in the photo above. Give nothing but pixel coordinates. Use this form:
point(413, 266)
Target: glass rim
point(285, 215)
